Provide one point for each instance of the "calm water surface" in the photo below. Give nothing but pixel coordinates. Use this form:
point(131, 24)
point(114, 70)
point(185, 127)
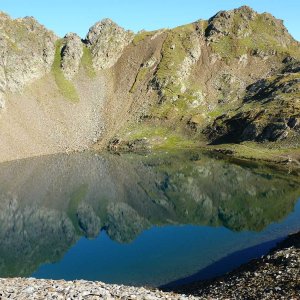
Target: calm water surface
point(140, 219)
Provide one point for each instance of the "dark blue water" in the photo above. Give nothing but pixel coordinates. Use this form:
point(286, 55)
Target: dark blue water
point(140, 219)
point(162, 254)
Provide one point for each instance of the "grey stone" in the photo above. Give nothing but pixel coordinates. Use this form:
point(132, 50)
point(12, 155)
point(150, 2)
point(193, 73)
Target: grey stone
point(26, 50)
point(72, 52)
point(107, 41)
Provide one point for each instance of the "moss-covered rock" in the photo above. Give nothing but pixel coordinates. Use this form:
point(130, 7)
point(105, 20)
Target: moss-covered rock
point(270, 112)
point(240, 31)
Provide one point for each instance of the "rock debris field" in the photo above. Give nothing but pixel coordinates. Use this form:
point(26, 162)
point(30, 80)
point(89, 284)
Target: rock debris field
point(18, 288)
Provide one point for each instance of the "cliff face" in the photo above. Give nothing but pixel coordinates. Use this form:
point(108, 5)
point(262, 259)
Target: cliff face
point(231, 78)
point(26, 52)
point(269, 112)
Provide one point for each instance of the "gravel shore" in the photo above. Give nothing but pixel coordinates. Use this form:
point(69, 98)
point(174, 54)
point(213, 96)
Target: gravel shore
point(274, 276)
point(21, 288)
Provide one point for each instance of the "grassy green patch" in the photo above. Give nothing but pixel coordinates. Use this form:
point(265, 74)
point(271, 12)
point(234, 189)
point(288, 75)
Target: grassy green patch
point(260, 151)
point(141, 131)
point(177, 46)
point(215, 113)
point(174, 50)
point(160, 137)
point(176, 141)
point(224, 46)
point(181, 107)
point(142, 35)
point(87, 62)
point(65, 86)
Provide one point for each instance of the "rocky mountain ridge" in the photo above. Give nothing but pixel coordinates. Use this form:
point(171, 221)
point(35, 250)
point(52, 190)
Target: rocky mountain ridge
point(168, 88)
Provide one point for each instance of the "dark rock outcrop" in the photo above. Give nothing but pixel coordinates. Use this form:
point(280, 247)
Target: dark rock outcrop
point(270, 112)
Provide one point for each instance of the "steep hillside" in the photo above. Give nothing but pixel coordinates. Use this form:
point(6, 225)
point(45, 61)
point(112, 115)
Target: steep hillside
point(232, 78)
point(206, 70)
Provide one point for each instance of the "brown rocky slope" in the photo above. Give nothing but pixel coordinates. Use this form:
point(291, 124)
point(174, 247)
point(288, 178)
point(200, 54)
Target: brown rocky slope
point(168, 88)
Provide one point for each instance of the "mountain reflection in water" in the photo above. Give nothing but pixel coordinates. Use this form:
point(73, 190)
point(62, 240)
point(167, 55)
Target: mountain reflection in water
point(48, 204)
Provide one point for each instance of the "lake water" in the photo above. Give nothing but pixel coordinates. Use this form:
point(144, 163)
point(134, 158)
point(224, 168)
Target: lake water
point(148, 219)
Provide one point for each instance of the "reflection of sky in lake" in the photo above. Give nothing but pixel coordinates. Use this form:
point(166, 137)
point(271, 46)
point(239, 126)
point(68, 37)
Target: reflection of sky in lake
point(162, 254)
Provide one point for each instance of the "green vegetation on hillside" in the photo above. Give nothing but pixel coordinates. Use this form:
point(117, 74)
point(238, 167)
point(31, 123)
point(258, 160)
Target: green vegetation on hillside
point(270, 112)
point(140, 77)
point(174, 51)
point(65, 86)
point(260, 35)
point(87, 62)
point(142, 35)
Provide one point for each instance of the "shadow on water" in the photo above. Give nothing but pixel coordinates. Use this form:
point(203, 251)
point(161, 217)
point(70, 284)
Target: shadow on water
point(48, 204)
point(224, 265)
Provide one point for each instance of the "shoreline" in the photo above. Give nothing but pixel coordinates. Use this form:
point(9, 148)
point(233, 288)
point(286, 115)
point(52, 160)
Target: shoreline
point(219, 268)
point(280, 158)
point(275, 275)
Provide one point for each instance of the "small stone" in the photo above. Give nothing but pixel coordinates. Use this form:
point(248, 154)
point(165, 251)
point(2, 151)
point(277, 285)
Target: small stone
point(29, 290)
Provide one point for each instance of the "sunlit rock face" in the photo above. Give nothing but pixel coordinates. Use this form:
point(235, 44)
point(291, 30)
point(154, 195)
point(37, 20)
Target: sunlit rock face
point(26, 52)
point(107, 41)
point(72, 52)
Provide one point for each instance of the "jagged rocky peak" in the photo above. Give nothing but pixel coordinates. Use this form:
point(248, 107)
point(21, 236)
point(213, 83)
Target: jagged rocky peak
point(248, 30)
point(223, 22)
point(107, 41)
point(26, 52)
point(71, 53)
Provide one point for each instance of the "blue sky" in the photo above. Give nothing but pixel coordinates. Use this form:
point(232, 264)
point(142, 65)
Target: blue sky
point(63, 16)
